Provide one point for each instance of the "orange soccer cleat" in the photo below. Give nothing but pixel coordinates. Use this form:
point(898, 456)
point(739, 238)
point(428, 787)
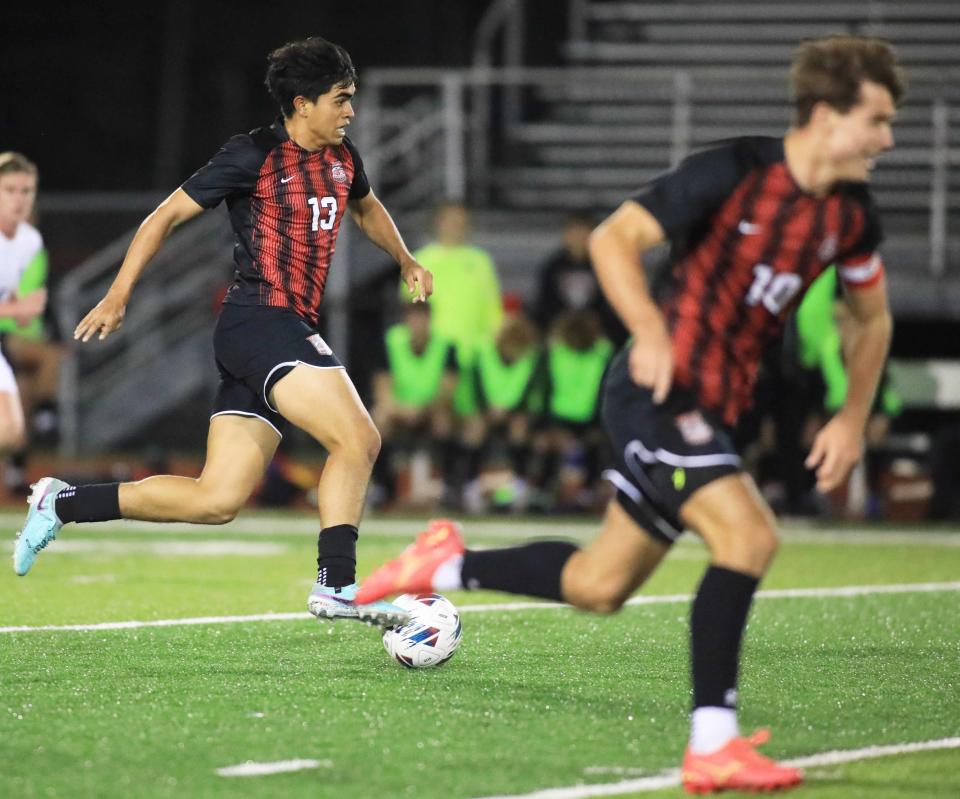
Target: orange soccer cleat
point(412, 572)
point(737, 766)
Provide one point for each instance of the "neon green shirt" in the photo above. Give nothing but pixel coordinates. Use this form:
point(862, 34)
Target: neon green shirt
point(465, 305)
point(23, 270)
point(575, 378)
point(416, 377)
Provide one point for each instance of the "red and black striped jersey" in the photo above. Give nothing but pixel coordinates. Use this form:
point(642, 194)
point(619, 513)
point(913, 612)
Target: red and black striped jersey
point(285, 205)
point(746, 243)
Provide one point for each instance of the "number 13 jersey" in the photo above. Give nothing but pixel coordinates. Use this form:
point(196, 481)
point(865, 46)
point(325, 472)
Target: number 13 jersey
point(285, 205)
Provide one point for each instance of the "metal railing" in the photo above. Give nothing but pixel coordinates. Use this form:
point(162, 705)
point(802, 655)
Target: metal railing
point(161, 355)
point(426, 159)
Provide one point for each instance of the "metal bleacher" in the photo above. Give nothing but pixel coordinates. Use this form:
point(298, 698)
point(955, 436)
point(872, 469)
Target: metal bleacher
point(642, 84)
point(723, 68)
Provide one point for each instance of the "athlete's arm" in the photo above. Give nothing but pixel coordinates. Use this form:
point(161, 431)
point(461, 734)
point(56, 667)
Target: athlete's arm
point(615, 248)
point(107, 315)
point(839, 445)
point(25, 309)
point(377, 225)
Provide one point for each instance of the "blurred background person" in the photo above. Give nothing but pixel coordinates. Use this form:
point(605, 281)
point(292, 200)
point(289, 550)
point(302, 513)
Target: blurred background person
point(413, 402)
point(509, 380)
point(566, 281)
point(466, 308)
point(568, 444)
point(23, 298)
point(466, 305)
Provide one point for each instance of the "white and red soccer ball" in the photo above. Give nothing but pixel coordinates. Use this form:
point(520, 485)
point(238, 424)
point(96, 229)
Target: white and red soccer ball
point(430, 637)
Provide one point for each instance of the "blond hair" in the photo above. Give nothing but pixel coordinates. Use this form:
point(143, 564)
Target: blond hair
point(12, 162)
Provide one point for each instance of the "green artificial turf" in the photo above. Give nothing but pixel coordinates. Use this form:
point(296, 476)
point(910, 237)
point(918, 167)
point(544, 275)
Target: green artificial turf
point(534, 699)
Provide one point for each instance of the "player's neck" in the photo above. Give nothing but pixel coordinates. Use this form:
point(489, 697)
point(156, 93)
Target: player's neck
point(300, 134)
point(9, 227)
point(810, 170)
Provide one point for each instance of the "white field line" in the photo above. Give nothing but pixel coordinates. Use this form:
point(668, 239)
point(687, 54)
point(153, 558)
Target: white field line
point(663, 599)
point(251, 769)
point(670, 779)
point(189, 549)
point(507, 529)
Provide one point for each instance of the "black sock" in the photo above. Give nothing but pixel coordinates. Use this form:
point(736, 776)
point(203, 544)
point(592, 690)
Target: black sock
point(717, 621)
point(92, 503)
point(337, 555)
point(533, 569)
point(519, 457)
point(383, 470)
point(449, 450)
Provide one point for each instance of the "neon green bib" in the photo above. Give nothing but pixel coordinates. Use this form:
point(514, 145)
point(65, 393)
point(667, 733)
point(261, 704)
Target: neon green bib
point(504, 385)
point(575, 378)
point(416, 378)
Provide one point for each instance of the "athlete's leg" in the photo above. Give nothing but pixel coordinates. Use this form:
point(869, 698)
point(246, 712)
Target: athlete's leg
point(735, 522)
point(12, 427)
point(324, 403)
point(739, 530)
point(602, 576)
point(239, 449)
point(598, 578)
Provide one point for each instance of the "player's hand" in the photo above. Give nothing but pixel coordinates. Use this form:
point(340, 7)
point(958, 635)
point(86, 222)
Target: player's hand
point(651, 358)
point(418, 280)
point(106, 316)
point(837, 447)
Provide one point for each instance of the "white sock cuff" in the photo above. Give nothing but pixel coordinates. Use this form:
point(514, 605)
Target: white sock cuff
point(711, 728)
point(448, 576)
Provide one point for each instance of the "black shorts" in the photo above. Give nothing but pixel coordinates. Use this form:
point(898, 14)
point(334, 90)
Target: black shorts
point(255, 346)
point(663, 453)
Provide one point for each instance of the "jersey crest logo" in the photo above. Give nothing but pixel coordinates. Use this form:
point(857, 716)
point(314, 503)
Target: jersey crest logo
point(337, 172)
point(694, 428)
point(828, 249)
point(319, 344)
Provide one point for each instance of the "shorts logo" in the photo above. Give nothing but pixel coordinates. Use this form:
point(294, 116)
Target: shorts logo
point(679, 478)
point(337, 172)
point(319, 344)
point(694, 428)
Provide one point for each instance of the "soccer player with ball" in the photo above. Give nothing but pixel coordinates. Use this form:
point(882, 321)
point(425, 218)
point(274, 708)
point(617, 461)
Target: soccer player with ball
point(287, 186)
point(752, 222)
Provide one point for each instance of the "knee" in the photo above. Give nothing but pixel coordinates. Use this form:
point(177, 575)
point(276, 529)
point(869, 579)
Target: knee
point(750, 550)
point(220, 509)
point(361, 442)
point(764, 544)
point(602, 596)
point(370, 442)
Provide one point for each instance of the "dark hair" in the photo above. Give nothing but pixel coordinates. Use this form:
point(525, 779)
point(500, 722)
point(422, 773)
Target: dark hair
point(308, 69)
point(579, 330)
point(12, 162)
point(831, 69)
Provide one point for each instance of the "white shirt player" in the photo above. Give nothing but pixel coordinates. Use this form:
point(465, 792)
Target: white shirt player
point(16, 254)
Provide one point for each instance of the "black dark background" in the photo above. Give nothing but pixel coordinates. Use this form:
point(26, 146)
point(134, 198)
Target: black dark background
point(89, 88)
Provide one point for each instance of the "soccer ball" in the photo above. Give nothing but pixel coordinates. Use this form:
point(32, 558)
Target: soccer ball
point(430, 637)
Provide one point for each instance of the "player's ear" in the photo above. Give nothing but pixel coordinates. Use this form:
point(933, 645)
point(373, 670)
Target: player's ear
point(301, 106)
